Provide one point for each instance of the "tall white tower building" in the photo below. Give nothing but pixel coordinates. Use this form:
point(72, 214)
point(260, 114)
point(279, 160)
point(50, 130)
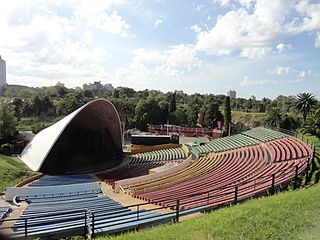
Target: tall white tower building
point(3, 79)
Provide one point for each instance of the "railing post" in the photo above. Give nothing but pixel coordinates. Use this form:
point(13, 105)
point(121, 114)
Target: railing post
point(296, 178)
point(92, 230)
point(138, 212)
point(178, 210)
point(85, 224)
point(272, 184)
point(235, 194)
point(307, 171)
point(208, 197)
point(26, 228)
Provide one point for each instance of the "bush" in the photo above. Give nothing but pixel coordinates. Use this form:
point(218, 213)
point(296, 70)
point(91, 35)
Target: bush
point(38, 127)
point(6, 149)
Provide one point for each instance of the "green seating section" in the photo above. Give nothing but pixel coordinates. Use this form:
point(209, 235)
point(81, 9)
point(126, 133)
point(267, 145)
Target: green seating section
point(226, 143)
point(264, 134)
point(244, 139)
point(159, 155)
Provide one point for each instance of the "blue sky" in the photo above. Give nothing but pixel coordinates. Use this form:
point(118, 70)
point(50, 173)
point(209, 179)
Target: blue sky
point(261, 47)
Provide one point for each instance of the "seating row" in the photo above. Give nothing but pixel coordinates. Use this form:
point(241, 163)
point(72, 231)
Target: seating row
point(264, 134)
point(62, 214)
point(4, 211)
point(288, 148)
point(227, 143)
point(61, 180)
point(198, 167)
point(129, 170)
point(159, 155)
point(233, 166)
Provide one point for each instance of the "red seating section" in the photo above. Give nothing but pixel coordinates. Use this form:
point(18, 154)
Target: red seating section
point(242, 167)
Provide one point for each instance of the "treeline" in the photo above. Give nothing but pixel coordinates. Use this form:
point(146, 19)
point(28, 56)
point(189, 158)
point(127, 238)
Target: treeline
point(139, 108)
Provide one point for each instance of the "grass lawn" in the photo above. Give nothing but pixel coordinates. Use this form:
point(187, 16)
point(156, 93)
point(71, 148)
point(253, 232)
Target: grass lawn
point(12, 171)
point(287, 215)
point(246, 118)
point(27, 122)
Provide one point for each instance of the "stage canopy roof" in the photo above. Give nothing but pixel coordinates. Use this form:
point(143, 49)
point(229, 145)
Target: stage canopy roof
point(87, 140)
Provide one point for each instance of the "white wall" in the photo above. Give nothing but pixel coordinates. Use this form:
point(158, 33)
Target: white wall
point(3, 79)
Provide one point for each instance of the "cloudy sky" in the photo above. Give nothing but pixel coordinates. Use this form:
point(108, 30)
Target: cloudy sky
point(261, 48)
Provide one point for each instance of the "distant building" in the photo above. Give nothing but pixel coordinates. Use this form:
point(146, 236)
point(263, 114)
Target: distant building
point(109, 87)
point(252, 97)
point(93, 86)
point(3, 80)
point(59, 84)
point(232, 94)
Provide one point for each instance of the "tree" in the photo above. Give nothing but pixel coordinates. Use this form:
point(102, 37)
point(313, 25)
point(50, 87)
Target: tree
point(71, 102)
point(8, 120)
point(273, 117)
point(212, 115)
point(227, 114)
point(304, 104)
point(147, 112)
point(312, 124)
point(172, 103)
point(18, 107)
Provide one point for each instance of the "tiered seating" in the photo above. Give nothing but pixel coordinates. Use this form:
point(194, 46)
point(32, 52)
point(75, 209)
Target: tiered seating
point(159, 155)
point(288, 149)
point(234, 166)
point(52, 215)
point(242, 167)
point(197, 168)
point(4, 212)
point(264, 134)
point(61, 180)
point(227, 143)
point(128, 171)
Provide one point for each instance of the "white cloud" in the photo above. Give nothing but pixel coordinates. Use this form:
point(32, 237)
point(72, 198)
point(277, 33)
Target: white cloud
point(222, 2)
point(248, 82)
point(39, 45)
point(157, 22)
point(280, 70)
point(317, 40)
point(302, 74)
point(111, 23)
point(265, 23)
point(170, 64)
point(255, 52)
point(195, 28)
point(281, 47)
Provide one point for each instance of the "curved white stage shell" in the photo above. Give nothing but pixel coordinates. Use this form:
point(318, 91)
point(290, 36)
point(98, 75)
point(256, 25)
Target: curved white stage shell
point(87, 140)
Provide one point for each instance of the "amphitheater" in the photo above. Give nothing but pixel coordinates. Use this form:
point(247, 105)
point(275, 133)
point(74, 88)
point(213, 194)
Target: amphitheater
point(186, 179)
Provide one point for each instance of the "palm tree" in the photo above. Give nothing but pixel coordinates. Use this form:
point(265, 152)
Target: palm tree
point(312, 125)
point(273, 117)
point(304, 104)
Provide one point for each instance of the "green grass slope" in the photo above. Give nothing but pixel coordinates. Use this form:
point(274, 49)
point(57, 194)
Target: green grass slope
point(12, 171)
point(288, 215)
point(247, 118)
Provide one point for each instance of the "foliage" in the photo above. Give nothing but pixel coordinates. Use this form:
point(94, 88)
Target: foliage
point(36, 128)
point(147, 111)
point(6, 149)
point(8, 120)
point(227, 114)
point(304, 104)
point(212, 115)
point(71, 102)
point(172, 102)
point(312, 124)
point(273, 117)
